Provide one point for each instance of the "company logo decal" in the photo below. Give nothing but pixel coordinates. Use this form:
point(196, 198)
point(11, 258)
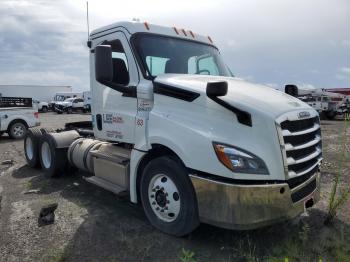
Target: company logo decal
point(112, 119)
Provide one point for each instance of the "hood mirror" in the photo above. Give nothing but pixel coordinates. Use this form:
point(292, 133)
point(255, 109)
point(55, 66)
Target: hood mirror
point(215, 89)
point(291, 90)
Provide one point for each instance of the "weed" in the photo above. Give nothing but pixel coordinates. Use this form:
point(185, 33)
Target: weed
point(29, 185)
point(187, 256)
point(337, 200)
point(247, 250)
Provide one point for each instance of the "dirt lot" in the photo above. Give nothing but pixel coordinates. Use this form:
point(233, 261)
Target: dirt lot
point(94, 225)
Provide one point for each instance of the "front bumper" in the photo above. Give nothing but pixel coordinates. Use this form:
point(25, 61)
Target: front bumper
point(244, 207)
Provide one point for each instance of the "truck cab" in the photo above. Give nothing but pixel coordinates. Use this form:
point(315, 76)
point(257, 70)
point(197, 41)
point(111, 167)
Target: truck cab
point(186, 139)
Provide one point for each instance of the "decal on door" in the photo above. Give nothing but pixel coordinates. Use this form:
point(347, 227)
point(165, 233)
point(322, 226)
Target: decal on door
point(144, 105)
point(114, 134)
point(112, 119)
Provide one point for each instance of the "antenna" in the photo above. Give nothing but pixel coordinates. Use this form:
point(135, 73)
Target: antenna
point(87, 18)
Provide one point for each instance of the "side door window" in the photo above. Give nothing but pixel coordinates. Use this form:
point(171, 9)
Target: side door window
point(121, 74)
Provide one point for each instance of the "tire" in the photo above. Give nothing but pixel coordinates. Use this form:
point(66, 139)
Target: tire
point(69, 110)
point(59, 112)
point(179, 203)
point(31, 145)
point(53, 160)
point(44, 109)
point(17, 130)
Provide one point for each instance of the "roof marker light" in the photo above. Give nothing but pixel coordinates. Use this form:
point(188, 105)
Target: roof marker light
point(183, 31)
point(146, 25)
point(192, 34)
point(175, 29)
point(210, 40)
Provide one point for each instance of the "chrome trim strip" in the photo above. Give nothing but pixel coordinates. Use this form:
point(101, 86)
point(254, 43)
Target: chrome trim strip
point(297, 188)
point(292, 174)
point(306, 131)
point(290, 147)
point(292, 161)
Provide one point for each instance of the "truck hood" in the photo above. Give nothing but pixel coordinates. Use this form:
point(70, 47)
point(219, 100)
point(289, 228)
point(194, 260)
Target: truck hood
point(241, 94)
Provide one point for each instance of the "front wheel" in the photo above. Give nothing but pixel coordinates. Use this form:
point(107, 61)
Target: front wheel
point(168, 197)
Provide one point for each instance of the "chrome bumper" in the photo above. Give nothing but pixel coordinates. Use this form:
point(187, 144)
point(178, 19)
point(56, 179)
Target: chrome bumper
point(250, 206)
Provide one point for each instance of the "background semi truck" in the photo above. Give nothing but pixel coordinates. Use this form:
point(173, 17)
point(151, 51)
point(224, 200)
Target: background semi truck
point(172, 128)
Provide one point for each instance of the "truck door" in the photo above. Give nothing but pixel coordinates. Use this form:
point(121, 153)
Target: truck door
point(114, 112)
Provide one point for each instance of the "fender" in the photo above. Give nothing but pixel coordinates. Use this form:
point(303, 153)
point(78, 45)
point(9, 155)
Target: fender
point(141, 151)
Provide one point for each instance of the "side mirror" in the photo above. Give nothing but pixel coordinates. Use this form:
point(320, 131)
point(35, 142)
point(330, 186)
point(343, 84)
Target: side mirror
point(103, 63)
point(215, 89)
point(291, 90)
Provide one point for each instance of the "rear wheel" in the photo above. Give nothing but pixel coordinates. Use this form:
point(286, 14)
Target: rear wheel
point(168, 197)
point(44, 109)
point(69, 110)
point(31, 145)
point(17, 130)
point(53, 160)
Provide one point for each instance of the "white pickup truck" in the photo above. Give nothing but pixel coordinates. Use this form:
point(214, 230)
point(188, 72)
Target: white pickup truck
point(16, 116)
point(70, 105)
point(179, 134)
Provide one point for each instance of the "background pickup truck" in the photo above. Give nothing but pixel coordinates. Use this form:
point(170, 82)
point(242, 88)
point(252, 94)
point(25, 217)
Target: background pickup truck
point(70, 105)
point(16, 116)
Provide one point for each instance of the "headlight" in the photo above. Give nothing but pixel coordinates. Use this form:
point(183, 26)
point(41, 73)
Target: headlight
point(239, 160)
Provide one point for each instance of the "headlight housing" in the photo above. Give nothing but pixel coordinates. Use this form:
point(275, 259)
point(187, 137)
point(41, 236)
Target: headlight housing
point(239, 160)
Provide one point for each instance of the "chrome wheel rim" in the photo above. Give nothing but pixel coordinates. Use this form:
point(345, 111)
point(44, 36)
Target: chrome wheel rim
point(29, 148)
point(164, 198)
point(46, 155)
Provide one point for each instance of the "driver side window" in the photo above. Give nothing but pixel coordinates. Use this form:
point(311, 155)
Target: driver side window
point(120, 64)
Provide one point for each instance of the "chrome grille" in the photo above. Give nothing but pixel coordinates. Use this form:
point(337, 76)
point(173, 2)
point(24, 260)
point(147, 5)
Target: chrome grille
point(301, 146)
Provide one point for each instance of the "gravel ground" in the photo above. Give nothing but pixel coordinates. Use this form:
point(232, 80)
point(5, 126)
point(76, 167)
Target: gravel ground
point(94, 225)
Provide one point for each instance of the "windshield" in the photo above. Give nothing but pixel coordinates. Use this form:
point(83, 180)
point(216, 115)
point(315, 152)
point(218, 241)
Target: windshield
point(60, 98)
point(161, 55)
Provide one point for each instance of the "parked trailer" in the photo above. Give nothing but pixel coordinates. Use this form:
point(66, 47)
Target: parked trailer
point(42, 93)
point(173, 128)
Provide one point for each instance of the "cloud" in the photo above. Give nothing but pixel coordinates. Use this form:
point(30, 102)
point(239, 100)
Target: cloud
point(343, 73)
point(271, 41)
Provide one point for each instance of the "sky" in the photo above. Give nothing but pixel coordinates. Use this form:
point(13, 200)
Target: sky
point(272, 42)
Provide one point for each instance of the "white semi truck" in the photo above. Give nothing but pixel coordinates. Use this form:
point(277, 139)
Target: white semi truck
point(184, 138)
